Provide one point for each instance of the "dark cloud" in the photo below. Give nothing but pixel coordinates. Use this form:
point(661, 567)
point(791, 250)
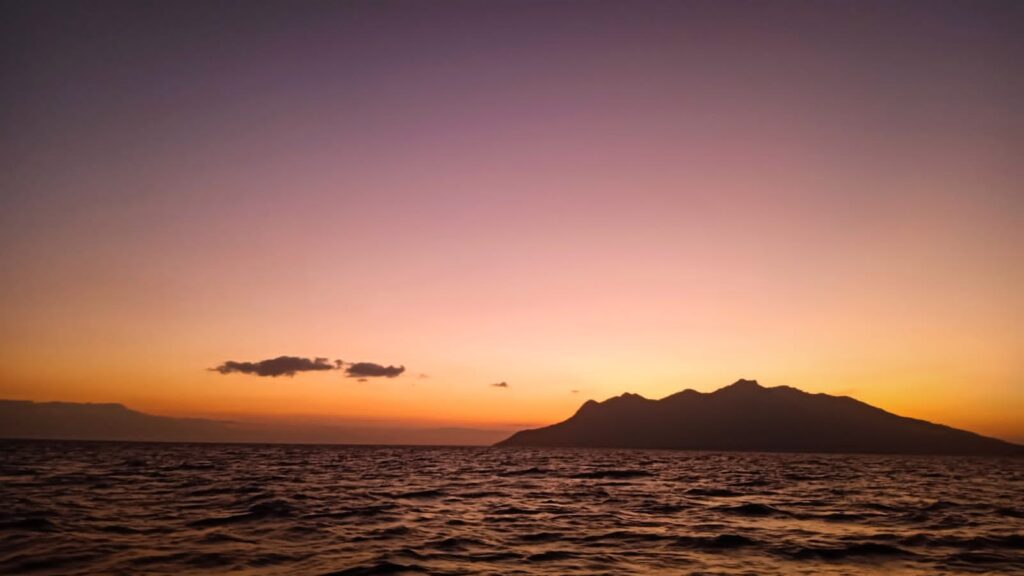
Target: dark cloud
point(280, 366)
point(290, 365)
point(500, 384)
point(371, 370)
point(423, 376)
point(575, 391)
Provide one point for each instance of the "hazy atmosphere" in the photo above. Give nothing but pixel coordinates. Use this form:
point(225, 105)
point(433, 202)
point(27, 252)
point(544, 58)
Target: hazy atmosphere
point(484, 213)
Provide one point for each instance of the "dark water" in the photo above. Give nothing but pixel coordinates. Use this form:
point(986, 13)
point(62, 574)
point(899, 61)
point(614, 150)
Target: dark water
point(87, 508)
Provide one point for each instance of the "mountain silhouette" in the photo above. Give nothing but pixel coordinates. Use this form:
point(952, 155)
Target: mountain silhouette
point(102, 421)
point(747, 416)
point(20, 419)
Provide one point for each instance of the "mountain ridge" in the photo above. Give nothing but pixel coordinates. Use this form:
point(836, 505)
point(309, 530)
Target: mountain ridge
point(745, 416)
point(110, 421)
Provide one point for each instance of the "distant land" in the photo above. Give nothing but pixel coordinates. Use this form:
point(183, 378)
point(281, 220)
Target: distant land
point(746, 416)
point(21, 419)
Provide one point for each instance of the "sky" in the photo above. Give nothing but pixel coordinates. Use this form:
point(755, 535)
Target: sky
point(575, 199)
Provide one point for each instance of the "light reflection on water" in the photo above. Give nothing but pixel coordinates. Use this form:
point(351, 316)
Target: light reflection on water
point(85, 508)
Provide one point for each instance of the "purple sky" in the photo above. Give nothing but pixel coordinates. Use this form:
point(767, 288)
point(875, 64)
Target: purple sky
point(593, 196)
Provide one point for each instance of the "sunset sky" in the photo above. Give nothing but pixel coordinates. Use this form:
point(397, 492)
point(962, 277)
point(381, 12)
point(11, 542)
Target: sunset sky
point(578, 199)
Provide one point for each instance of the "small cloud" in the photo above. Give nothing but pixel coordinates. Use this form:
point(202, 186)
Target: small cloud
point(574, 391)
point(362, 380)
point(280, 366)
point(424, 376)
point(371, 370)
point(500, 384)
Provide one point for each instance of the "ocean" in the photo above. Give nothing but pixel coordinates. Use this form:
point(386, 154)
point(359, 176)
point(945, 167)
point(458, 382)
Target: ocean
point(127, 508)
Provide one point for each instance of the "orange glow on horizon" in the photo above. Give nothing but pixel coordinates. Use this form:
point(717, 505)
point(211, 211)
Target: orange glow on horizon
point(676, 197)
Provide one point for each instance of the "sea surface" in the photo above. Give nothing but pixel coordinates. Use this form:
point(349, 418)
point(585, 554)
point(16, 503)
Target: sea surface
point(124, 508)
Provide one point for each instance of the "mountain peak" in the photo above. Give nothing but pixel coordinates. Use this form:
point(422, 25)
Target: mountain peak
point(629, 396)
point(742, 385)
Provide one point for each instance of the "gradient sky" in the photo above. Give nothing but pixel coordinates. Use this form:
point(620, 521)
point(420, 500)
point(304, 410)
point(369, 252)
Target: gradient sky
point(595, 197)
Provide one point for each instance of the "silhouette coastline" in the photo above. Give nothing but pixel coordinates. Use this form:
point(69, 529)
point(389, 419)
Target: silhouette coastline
point(21, 419)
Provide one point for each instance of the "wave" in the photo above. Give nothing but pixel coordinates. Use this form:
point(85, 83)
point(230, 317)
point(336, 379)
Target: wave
point(30, 524)
point(456, 543)
point(384, 567)
point(753, 509)
point(531, 471)
point(551, 556)
point(625, 536)
point(612, 474)
point(1011, 512)
point(861, 549)
point(541, 537)
point(366, 510)
point(719, 542)
point(1011, 541)
point(417, 494)
point(205, 560)
point(259, 511)
point(54, 563)
point(713, 492)
point(985, 559)
point(363, 511)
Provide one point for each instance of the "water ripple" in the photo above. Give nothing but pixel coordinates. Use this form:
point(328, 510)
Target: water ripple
point(87, 508)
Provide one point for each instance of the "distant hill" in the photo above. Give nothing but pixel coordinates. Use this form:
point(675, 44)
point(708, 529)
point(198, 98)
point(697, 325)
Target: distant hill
point(78, 421)
point(747, 416)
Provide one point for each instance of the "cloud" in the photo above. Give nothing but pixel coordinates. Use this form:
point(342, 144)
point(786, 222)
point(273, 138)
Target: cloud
point(280, 366)
point(500, 384)
point(291, 365)
point(574, 391)
point(371, 370)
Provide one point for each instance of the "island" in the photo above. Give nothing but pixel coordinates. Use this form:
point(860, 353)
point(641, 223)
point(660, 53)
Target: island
point(746, 416)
